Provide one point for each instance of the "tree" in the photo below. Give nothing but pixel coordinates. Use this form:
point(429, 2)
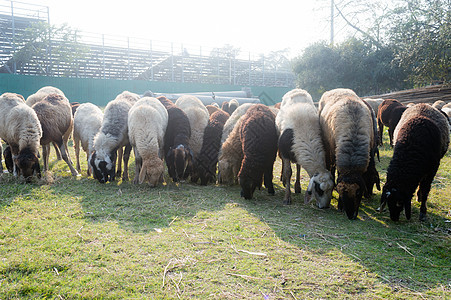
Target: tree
point(53, 49)
point(421, 37)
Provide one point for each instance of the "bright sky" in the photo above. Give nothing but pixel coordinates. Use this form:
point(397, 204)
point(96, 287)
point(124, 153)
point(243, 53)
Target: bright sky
point(256, 26)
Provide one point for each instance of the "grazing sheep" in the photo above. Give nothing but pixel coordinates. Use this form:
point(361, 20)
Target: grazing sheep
point(230, 155)
point(390, 111)
point(258, 137)
point(147, 122)
point(21, 129)
point(111, 139)
point(198, 119)
point(347, 129)
point(300, 142)
point(178, 155)
point(87, 122)
point(421, 140)
point(208, 157)
point(233, 105)
point(55, 114)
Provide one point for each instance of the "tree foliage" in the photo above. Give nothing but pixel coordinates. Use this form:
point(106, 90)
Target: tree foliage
point(49, 47)
point(397, 47)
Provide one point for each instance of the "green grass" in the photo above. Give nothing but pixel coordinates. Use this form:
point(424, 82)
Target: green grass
point(65, 237)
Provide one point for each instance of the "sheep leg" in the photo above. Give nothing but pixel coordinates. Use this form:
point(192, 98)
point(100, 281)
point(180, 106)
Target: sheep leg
point(297, 184)
point(77, 154)
point(127, 151)
point(286, 166)
point(267, 177)
point(66, 158)
point(89, 165)
point(120, 153)
point(423, 192)
point(138, 166)
point(57, 151)
point(45, 156)
point(381, 131)
point(390, 135)
point(1, 151)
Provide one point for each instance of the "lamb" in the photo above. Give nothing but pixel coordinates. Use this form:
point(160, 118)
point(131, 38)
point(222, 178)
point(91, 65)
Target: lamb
point(55, 114)
point(258, 137)
point(348, 132)
point(231, 154)
point(87, 122)
point(390, 111)
point(198, 119)
point(147, 123)
point(178, 155)
point(208, 157)
point(21, 129)
point(421, 140)
point(111, 139)
point(225, 106)
point(300, 142)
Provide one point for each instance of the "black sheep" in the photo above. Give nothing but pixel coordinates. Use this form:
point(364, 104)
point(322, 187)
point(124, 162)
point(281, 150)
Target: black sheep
point(421, 140)
point(259, 143)
point(178, 155)
point(389, 113)
point(208, 157)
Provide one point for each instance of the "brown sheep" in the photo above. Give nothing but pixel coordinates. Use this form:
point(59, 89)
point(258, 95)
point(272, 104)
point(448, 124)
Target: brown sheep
point(55, 114)
point(389, 113)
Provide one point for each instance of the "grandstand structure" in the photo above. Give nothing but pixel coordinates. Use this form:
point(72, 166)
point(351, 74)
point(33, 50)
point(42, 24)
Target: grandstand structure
point(127, 58)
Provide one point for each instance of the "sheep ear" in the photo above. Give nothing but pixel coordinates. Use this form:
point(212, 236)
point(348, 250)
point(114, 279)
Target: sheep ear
point(308, 192)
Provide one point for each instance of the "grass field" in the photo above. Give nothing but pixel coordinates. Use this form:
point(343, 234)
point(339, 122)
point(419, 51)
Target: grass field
point(65, 237)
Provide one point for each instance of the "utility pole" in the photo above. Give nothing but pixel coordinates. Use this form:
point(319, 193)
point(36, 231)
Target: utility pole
point(331, 22)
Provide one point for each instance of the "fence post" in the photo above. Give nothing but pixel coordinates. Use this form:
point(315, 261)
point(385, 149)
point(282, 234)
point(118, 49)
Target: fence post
point(201, 65)
point(103, 55)
point(172, 62)
point(263, 70)
point(151, 61)
point(128, 59)
point(183, 66)
point(217, 61)
point(13, 25)
point(250, 69)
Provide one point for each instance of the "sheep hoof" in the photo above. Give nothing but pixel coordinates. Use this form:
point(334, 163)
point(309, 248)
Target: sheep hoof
point(297, 189)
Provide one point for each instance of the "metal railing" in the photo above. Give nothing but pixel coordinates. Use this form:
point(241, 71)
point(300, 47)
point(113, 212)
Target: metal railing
point(127, 58)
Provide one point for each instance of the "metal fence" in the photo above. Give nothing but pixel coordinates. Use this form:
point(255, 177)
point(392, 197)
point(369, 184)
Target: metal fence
point(127, 58)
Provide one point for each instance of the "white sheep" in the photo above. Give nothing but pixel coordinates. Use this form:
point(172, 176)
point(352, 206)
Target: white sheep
point(300, 142)
point(198, 117)
point(348, 135)
point(21, 129)
point(87, 121)
point(147, 123)
point(111, 139)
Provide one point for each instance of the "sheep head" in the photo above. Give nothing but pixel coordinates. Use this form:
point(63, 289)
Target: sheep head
point(248, 186)
point(350, 188)
point(321, 186)
point(103, 165)
point(179, 161)
point(27, 163)
point(152, 172)
point(397, 200)
point(225, 173)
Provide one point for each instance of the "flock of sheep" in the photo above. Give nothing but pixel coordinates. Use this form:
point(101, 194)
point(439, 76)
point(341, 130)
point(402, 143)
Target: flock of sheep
point(236, 144)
